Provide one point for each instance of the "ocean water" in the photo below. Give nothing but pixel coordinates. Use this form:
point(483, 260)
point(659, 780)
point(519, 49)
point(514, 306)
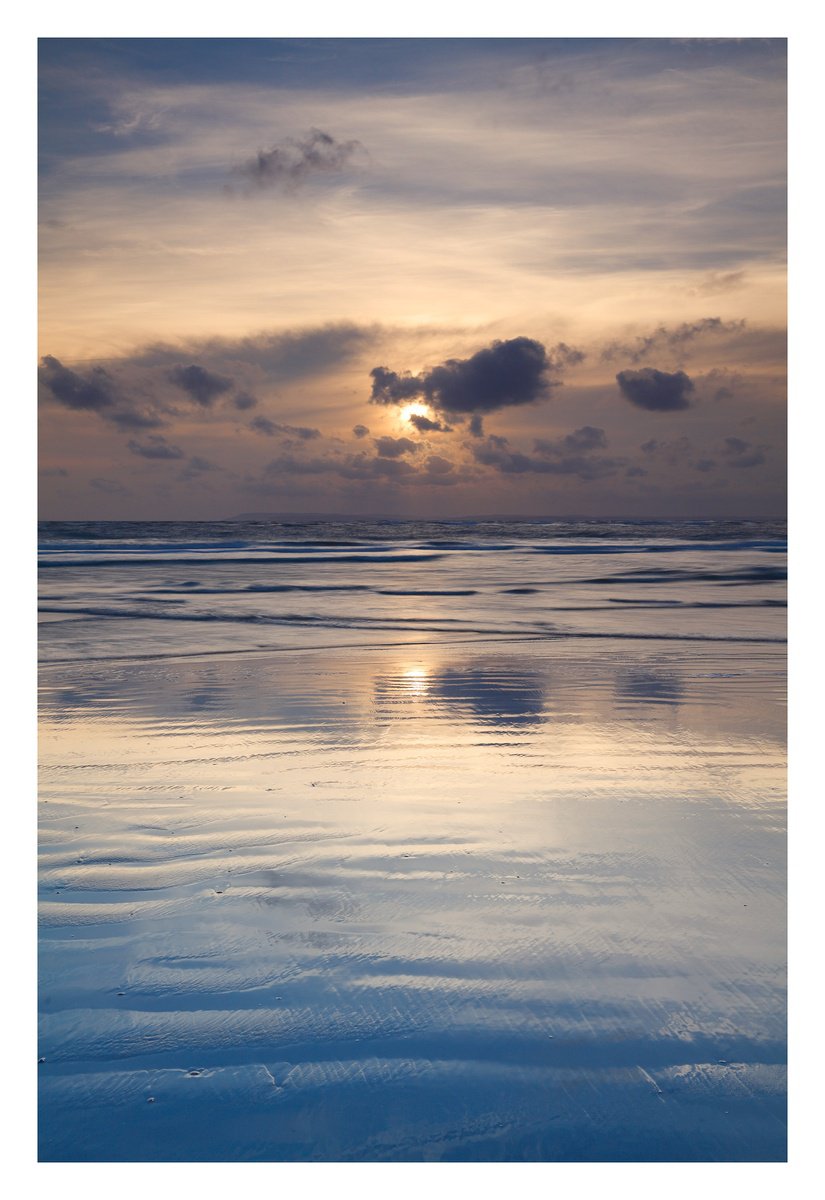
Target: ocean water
point(412, 841)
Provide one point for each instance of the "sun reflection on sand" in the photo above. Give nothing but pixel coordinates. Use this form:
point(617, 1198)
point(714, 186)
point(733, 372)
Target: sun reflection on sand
point(415, 679)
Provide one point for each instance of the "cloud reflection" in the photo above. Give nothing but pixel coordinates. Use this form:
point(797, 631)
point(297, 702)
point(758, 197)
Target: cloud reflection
point(495, 693)
point(649, 687)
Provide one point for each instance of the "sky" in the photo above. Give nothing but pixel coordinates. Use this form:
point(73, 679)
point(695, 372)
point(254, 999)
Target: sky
point(412, 277)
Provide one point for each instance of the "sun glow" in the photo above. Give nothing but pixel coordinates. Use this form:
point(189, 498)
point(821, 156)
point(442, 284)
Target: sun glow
point(415, 410)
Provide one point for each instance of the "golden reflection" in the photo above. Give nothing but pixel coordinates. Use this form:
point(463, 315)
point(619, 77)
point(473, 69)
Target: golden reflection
point(415, 679)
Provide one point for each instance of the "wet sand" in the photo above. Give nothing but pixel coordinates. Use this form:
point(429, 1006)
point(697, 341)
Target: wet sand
point(424, 902)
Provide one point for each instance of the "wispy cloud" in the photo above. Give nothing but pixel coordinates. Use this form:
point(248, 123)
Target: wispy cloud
point(289, 164)
point(156, 447)
point(672, 340)
point(262, 424)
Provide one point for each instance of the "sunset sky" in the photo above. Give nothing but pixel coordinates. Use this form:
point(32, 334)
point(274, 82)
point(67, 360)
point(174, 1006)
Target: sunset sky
point(412, 277)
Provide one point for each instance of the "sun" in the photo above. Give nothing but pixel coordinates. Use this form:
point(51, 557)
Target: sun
point(415, 410)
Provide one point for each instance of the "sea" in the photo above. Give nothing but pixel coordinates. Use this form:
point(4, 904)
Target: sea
point(382, 840)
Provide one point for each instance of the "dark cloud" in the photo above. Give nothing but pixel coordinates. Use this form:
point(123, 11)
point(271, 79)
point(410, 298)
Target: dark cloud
point(133, 392)
point(390, 447)
point(361, 466)
point(443, 476)
point(129, 419)
point(360, 431)
point(198, 464)
point(635, 472)
point(589, 437)
point(504, 374)
point(495, 452)
point(156, 447)
point(92, 392)
point(50, 472)
point(263, 425)
point(670, 341)
point(680, 452)
point(477, 426)
point(425, 425)
point(754, 458)
point(351, 466)
point(656, 391)
point(95, 391)
point(739, 453)
point(288, 464)
point(289, 164)
point(200, 385)
point(390, 388)
point(196, 467)
point(436, 465)
point(672, 452)
point(109, 487)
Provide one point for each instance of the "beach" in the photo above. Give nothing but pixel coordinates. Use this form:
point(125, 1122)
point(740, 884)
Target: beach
point(412, 842)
